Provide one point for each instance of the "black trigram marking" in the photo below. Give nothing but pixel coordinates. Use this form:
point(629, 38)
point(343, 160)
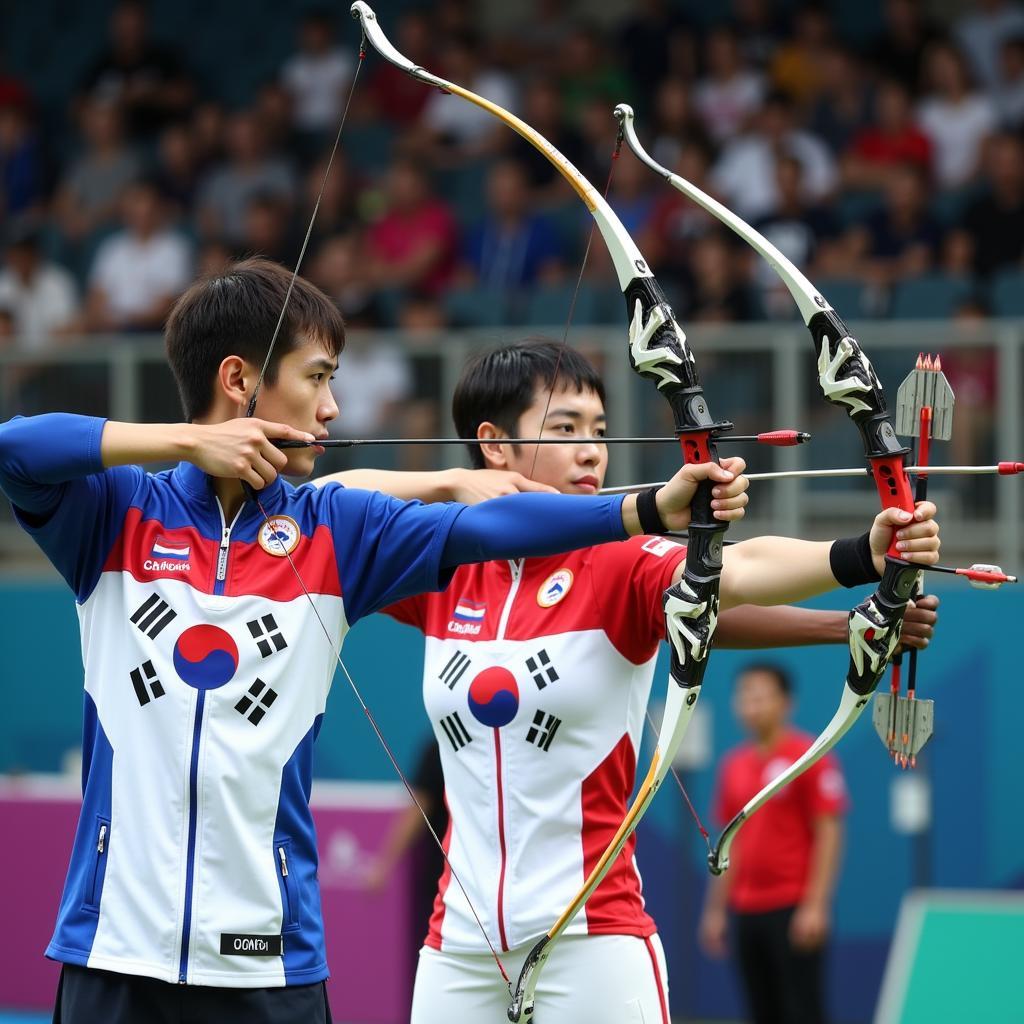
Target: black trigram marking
point(145, 682)
point(540, 667)
point(260, 697)
point(454, 670)
point(543, 730)
point(152, 615)
point(267, 635)
point(455, 731)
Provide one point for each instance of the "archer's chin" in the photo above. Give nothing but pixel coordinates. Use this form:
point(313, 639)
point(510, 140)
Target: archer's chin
point(301, 464)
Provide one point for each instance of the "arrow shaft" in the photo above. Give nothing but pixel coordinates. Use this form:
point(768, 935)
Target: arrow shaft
point(1000, 469)
point(774, 438)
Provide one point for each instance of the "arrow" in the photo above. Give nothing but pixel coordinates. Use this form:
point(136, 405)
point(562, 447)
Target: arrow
point(773, 438)
point(998, 469)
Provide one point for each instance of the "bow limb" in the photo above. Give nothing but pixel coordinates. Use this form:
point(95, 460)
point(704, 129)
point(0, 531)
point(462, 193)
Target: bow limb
point(658, 351)
point(847, 379)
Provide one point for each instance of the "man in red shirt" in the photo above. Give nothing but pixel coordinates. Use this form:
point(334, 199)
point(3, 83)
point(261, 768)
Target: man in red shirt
point(778, 889)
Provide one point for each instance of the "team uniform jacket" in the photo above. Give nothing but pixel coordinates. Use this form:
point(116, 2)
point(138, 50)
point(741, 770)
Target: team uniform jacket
point(195, 855)
point(536, 678)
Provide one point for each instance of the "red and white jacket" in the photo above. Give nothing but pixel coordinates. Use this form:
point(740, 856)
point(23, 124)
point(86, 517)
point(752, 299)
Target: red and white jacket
point(536, 678)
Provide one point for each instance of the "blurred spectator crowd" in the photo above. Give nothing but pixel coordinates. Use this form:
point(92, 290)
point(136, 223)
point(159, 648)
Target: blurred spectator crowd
point(890, 167)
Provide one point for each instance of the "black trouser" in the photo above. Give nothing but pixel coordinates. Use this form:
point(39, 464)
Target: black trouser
point(783, 985)
point(87, 996)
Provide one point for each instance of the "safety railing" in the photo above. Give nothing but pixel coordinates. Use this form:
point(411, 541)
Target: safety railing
point(760, 376)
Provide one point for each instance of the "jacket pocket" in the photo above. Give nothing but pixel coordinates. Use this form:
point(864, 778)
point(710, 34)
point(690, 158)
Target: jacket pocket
point(98, 868)
point(289, 884)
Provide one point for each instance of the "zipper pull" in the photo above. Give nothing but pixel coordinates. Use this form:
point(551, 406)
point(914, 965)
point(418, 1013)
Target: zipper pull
point(102, 839)
point(284, 862)
point(222, 555)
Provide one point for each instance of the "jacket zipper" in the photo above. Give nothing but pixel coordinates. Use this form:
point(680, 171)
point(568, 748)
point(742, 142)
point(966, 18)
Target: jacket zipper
point(222, 551)
point(193, 772)
point(290, 905)
point(516, 568)
point(93, 897)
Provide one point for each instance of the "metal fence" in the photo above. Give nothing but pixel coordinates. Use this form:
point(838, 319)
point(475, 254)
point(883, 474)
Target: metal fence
point(760, 376)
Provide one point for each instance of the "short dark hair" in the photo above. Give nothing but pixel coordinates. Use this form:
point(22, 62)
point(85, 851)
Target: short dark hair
point(234, 312)
point(782, 678)
point(500, 385)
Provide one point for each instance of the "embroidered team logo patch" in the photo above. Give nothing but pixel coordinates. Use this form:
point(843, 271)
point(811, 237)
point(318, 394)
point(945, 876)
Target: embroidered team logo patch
point(554, 588)
point(279, 536)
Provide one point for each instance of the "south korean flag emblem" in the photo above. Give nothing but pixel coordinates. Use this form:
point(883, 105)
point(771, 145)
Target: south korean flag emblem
point(279, 536)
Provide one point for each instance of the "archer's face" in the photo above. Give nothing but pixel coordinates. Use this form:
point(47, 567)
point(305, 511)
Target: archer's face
point(301, 397)
point(571, 468)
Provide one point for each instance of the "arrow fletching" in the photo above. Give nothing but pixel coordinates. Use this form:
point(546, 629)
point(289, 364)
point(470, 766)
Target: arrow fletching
point(925, 386)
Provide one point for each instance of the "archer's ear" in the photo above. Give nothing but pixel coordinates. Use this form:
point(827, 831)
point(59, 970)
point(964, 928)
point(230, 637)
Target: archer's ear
point(235, 381)
point(496, 454)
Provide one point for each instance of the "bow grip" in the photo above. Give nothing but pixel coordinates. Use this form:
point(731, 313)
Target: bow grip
point(893, 488)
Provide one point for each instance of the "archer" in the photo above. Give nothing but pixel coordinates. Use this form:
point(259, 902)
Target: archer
point(536, 678)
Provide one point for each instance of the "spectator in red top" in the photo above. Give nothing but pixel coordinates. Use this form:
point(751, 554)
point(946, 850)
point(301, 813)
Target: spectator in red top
point(894, 138)
point(413, 245)
point(778, 889)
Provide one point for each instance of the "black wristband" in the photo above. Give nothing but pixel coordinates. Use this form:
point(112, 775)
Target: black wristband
point(647, 512)
point(851, 562)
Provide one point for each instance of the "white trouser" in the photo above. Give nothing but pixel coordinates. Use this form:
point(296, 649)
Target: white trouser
point(588, 979)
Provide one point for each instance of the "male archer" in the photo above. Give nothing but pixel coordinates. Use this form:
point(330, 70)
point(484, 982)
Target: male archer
point(536, 678)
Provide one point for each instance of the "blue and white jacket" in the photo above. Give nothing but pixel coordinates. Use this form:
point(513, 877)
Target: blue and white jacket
point(206, 677)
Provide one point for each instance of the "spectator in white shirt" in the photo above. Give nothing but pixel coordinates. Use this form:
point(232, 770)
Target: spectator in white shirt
point(41, 296)
point(140, 271)
point(727, 97)
point(316, 76)
point(746, 171)
point(955, 117)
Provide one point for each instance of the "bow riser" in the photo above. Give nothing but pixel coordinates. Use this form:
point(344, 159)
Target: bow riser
point(848, 379)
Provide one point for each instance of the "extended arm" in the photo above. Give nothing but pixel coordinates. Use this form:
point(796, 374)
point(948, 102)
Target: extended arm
point(468, 486)
point(781, 570)
point(749, 627)
point(746, 627)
